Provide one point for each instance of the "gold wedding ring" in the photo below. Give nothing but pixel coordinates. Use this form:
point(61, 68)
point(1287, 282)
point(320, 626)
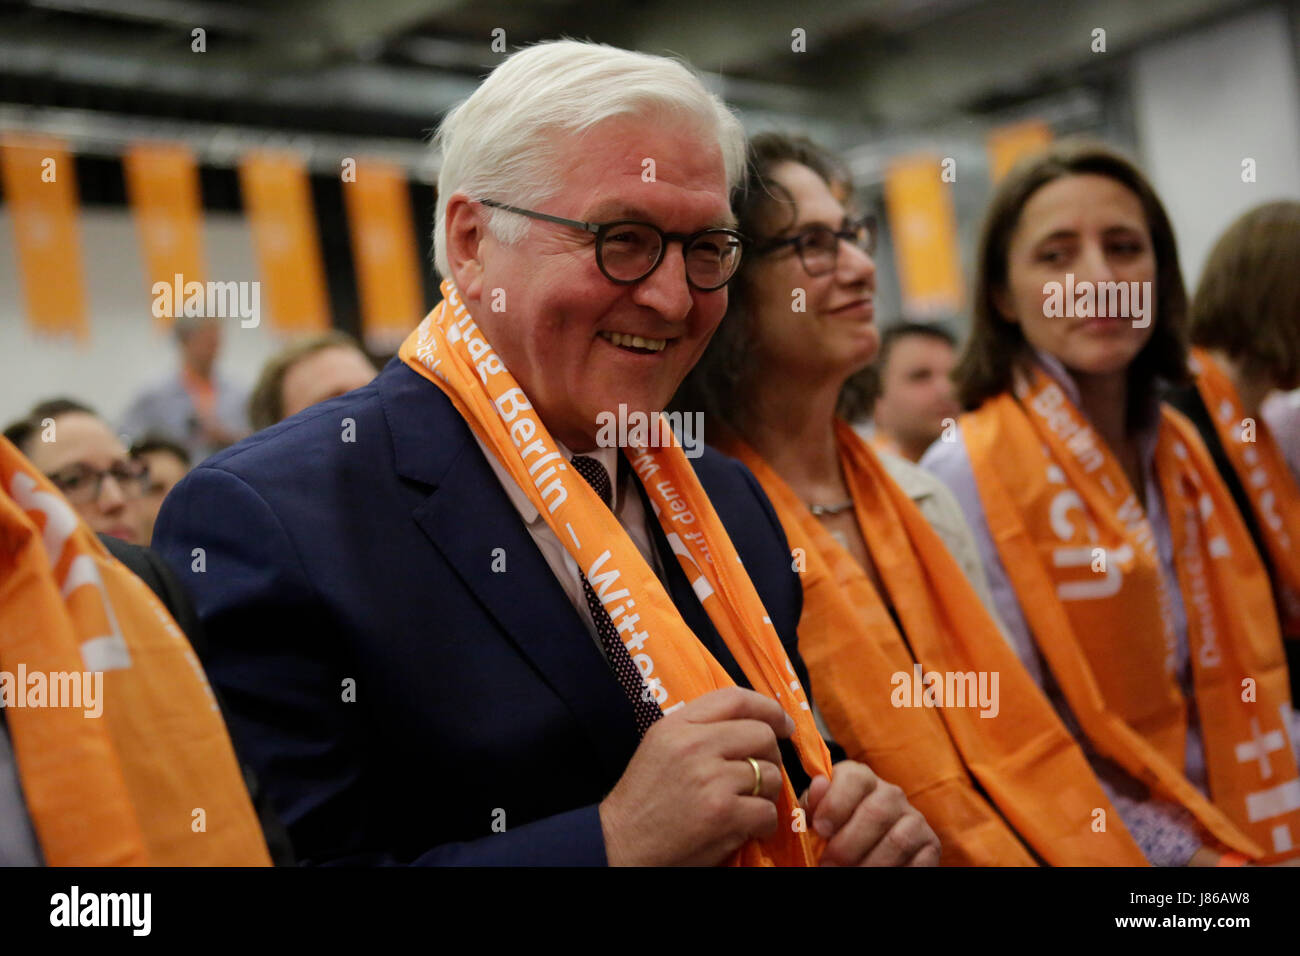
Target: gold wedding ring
point(758, 777)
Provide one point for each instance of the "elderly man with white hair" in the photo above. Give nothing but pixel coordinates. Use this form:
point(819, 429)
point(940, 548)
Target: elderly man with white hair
point(452, 623)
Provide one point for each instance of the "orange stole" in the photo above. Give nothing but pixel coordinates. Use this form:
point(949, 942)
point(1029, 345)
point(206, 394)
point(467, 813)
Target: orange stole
point(1264, 474)
point(1107, 633)
point(1041, 790)
point(122, 788)
point(450, 350)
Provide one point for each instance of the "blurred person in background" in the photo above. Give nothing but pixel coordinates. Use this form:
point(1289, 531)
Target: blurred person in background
point(305, 373)
point(1245, 333)
point(873, 538)
point(167, 463)
point(196, 407)
point(914, 395)
point(1125, 577)
point(115, 496)
point(80, 454)
point(110, 774)
point(1282, 412)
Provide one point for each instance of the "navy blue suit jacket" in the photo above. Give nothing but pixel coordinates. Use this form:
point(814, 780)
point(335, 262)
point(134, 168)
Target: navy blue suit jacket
point(480, 696)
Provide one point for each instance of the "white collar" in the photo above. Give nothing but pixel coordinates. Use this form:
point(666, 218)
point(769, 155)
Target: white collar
point(608, 458)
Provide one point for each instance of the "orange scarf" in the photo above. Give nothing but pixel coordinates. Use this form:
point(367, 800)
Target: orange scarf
point(1264, 474)
point(154, 780)
point(1082, 557)
point(451, 351)
point(1032, 771)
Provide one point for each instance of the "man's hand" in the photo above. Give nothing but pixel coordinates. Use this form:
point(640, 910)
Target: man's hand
point(867, 822)
point(685, 796)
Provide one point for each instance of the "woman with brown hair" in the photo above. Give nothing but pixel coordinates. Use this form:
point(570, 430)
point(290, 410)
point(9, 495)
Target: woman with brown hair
point(1245, 332)
point(910, 671)
point(1126, 579)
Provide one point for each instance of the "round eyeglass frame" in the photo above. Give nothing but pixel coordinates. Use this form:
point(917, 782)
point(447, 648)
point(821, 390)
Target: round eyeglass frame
point(603, 229)
point(800, 241)
point(132, 485)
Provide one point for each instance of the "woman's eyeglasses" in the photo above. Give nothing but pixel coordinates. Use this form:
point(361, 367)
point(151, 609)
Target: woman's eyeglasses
point(819, 246)
point(82, 484)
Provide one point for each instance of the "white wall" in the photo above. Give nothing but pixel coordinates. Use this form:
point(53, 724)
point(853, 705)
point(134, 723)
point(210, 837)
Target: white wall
point(125, 351)
point(1205, 101)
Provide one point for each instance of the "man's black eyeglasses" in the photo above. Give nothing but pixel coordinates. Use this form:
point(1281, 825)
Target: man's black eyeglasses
point(819, 246)
point(628, 250)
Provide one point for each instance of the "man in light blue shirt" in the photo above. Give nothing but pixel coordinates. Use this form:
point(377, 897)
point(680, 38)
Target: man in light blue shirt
point(196, 408)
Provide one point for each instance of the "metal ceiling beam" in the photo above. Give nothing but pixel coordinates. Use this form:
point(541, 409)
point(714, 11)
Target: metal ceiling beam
point(311, 32)
point(1006, 47)
point(730, 37)
point(185, 14)
point(221, 145)
point(218, 75)
point(103, 59)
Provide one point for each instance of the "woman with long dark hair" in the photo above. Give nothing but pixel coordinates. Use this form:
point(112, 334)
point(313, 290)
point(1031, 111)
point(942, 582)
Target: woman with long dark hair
point(910, 671)
point(1245, 333)
point(1120, 565)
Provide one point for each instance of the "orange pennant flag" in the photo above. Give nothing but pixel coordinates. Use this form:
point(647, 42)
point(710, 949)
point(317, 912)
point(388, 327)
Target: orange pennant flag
point(162, 182)
point(1008, 144)
point(384, 250)
point(40, 185)
point(924, 228)
point(277, 196)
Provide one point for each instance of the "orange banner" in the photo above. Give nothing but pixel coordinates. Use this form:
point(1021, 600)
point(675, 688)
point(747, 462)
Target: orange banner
point(924, 230)
point(40, 186)
point(162, 183)
point(385, 253)
point(1008, 144)
point(277, 198)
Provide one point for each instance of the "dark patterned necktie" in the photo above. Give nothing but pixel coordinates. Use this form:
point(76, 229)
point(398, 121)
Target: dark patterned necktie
point(620, 661)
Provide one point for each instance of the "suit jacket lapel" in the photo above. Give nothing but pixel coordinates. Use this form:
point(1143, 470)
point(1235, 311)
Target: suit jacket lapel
point(466, 517)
